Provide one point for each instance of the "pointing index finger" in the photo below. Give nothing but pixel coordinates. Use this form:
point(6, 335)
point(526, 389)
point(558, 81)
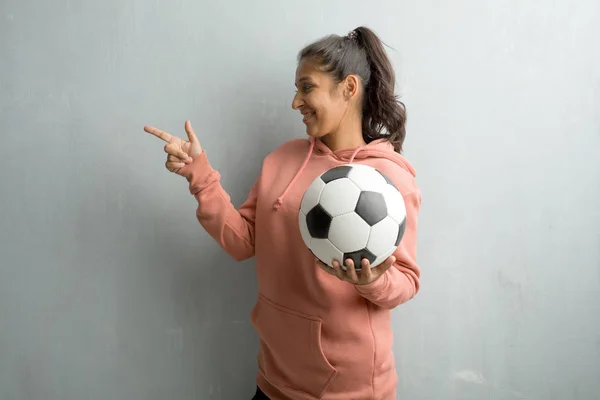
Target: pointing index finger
point(167, 137)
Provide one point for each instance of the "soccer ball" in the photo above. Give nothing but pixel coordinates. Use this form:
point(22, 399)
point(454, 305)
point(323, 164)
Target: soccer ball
point(352, 211)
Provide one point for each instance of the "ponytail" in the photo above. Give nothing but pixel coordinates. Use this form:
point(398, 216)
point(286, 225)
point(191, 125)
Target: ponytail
point(361, 52)
point(382, 111)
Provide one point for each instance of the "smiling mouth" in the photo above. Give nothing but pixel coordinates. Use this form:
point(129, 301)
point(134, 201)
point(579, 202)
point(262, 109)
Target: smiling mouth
point(307, 117)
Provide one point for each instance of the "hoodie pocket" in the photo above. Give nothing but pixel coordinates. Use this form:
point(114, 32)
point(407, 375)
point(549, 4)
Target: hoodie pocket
point(291, 355)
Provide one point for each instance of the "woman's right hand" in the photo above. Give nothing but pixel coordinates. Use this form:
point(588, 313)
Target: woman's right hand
point(180, 151)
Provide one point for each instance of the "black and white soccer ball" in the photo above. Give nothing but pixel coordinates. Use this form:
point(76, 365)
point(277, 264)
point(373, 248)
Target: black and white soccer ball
point(352, 211)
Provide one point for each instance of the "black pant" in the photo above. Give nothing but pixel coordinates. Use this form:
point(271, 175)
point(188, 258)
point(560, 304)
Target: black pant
point(259, 395)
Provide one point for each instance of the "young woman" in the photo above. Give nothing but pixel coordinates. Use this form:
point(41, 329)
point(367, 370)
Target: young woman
point(325, 332)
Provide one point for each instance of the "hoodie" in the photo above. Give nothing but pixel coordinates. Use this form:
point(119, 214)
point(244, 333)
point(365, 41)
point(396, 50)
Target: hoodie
point(320, 337)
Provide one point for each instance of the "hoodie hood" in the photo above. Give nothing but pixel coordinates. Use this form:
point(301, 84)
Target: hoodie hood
point(377, 148)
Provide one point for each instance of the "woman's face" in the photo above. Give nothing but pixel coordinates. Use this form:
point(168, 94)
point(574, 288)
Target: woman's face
point(319, 99)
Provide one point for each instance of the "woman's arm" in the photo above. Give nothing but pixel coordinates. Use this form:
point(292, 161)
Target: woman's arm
point(232, 229)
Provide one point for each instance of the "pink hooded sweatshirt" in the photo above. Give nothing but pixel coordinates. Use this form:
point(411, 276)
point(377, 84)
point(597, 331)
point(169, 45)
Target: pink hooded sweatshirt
point(320, 337)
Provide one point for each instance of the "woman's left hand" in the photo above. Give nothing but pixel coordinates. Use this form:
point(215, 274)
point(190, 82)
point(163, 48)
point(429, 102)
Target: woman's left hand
point(363, 276)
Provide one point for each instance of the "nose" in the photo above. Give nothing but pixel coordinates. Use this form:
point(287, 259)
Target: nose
point(297, 101)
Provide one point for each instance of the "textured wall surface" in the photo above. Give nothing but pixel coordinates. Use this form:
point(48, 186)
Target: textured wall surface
point(110, 289)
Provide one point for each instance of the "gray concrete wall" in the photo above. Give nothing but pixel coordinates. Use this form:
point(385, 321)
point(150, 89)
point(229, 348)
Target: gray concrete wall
point(110, 289)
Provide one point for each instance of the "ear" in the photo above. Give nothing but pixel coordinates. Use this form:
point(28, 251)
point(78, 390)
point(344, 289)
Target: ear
point(351, 86)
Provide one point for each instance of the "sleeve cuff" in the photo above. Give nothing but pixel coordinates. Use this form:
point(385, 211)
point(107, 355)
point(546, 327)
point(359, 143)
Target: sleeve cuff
point(198, 172)
point(374, 287)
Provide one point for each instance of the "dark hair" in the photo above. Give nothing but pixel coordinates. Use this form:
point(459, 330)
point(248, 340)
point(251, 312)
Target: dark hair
point(361, 53)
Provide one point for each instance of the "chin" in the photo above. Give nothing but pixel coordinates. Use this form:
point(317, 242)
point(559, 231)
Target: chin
point(314, 133)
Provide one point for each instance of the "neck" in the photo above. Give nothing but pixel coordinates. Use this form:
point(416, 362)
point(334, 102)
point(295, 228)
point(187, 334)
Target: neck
point(345, 136)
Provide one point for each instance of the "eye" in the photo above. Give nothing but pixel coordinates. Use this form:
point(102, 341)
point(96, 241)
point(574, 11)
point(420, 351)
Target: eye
point(307, 87)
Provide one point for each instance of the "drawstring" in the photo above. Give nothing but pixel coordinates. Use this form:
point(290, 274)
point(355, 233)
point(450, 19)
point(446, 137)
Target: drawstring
point(277, 205)
point(279, 201)
point(355, 153)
